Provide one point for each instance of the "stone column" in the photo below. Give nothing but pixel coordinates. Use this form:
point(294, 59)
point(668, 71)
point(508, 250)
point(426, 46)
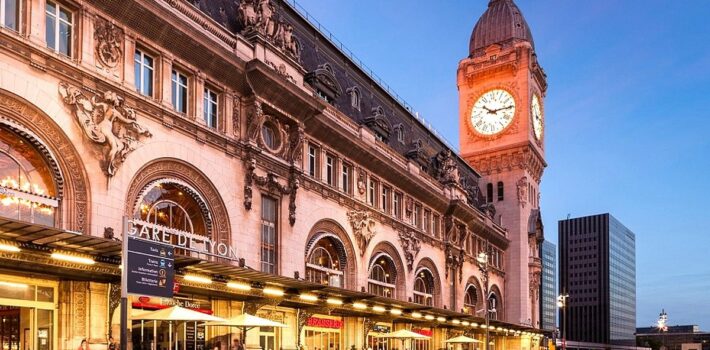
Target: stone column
point(129, 50)
point(164, 81)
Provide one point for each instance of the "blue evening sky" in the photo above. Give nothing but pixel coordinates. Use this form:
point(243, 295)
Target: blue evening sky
point(627, 116)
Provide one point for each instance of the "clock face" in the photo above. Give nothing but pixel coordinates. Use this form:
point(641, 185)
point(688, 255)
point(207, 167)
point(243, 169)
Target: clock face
point(536, 117)
point(493, 112)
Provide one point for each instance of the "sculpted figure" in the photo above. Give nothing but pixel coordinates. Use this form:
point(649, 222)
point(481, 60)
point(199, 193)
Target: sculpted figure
point(363, 226)
point(266, 22)
point(105, 121)
point(256, 120)
point(448, 170)
point(290, 43)
point(247, 14)
point(523, 191)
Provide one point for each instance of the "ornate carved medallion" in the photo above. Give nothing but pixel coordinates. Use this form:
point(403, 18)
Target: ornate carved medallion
point(109, 43)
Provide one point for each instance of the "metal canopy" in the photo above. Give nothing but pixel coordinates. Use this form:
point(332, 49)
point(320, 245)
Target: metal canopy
point(44, 236)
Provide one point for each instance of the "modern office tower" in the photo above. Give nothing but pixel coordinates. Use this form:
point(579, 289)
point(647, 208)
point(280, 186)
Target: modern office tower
point(548, 287)
point(598, 272)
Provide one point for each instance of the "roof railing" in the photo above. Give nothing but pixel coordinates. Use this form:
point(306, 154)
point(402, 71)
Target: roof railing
point(369, 72)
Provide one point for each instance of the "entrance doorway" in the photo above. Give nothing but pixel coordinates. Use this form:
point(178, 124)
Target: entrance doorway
point(27, 314)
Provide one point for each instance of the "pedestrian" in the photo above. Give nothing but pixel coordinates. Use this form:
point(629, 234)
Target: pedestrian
point(84, 345)
point(111, 344)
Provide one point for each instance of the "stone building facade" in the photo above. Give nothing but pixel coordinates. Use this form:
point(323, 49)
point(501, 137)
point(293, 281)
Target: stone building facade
point(321, 201)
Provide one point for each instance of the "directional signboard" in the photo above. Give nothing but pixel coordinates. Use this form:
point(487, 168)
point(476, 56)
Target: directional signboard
point(151, 268)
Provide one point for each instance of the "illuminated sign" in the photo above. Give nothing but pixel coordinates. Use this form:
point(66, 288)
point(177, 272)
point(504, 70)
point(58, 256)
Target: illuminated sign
point(180, 239)
point(425, 332)
point(324, 323)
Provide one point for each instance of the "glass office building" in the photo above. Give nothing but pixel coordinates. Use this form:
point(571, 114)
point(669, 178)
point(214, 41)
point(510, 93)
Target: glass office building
point(548, 286)
point(598, 271)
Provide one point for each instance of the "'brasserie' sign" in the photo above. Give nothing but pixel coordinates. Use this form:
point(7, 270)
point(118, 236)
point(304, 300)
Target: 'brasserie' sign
point(181, 239)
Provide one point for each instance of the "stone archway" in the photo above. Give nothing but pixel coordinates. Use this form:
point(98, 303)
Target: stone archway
point(170, 168)
point(327, 228)
point(476, 284)
point(25, 118)
point(389, 250)
point(500, 311)
point(428, 264)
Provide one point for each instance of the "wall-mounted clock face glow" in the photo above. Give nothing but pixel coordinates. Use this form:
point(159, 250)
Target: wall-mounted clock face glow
point(493, 112)
point(536, 117)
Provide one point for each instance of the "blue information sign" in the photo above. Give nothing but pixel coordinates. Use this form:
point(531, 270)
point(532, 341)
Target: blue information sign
point(151, 268)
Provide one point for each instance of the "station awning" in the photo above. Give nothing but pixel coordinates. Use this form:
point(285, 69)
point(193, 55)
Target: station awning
point(37, 242)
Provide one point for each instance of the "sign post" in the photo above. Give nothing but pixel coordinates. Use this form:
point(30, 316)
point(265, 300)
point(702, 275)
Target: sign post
point(147, 268)
point(124, 289)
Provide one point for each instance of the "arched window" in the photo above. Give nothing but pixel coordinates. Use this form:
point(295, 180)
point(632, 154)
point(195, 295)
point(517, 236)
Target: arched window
point(323, 265)
point(175, 205)
point(470, 300)
point(383, 275)
point(500, 190)
point(424, 287)
point(27, 186)
point(493, 306)
point(354, 97)
point(489, 193)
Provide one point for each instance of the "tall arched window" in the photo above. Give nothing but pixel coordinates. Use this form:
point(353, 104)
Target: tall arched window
point(493, 306)
point(424, 287)
point(470, 300)
point(27, 186)
point(175, 205)
point(500, 190)
point(325, 262)
point(489, 193)
point(383, 276)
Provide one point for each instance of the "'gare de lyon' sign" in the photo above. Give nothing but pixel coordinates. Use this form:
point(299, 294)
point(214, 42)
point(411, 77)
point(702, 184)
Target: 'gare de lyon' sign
point(180, 239)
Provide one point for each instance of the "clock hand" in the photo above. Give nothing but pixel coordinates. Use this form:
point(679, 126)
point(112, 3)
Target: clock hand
point(499, 109)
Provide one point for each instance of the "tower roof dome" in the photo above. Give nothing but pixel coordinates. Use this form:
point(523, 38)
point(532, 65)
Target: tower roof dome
point(502, 22)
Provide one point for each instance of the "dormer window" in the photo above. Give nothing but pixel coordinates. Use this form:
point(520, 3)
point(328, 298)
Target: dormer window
point(399, 131)
point(379, 124)
point(354, 93)
point(323, 80)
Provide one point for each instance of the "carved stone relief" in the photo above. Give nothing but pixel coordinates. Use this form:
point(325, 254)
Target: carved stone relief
point(255, 119)
point(363, 226)
point(109, 43)
point(259, 16)
point(361, 186)
point(106, 121)
point(269, 182)
point(447, 171)
point(411, 247)
point(523, 191)
point(295, 150)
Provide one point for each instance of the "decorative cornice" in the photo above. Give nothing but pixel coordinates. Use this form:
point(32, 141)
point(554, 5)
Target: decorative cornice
point(519, 157)
point(203, 21)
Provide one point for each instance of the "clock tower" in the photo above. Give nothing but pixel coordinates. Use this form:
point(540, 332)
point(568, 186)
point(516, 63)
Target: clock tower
point(502, 135)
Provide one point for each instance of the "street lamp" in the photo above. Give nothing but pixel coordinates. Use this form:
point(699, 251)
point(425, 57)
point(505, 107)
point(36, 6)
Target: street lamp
point(562, 304)
point(482, 260)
